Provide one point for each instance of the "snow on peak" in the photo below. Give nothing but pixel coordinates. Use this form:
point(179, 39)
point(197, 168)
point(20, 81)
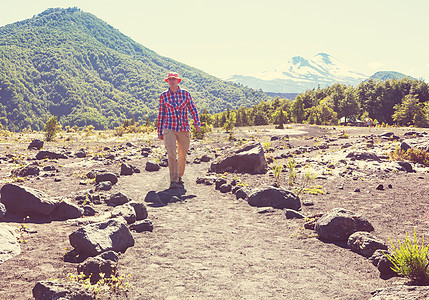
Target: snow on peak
point(321, 70)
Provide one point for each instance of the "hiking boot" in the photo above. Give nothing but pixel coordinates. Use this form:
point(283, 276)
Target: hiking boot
point(175, 185)
point(180, 181)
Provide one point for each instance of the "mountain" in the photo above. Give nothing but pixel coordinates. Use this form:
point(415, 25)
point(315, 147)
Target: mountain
point(300, 74)
point(387, 75)
point(69, 63)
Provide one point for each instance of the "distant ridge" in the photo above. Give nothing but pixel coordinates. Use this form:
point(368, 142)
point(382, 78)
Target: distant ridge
point(290, 96)
point(387, 75)
point(71, 64)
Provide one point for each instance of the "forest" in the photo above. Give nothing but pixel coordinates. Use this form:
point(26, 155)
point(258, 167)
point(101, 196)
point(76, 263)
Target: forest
point(72, 65)
point(402, 102)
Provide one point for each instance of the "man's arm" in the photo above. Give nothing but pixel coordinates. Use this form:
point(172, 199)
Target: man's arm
point(194, 113)
point(161, 117)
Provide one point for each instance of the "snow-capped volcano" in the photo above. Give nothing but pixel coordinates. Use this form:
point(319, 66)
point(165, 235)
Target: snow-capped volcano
point(300, 74)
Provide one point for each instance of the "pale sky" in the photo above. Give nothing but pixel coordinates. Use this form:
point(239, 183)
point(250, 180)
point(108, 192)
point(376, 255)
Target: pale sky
point(226, 37)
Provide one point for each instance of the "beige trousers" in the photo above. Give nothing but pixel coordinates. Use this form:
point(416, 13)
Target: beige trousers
point(176, 164)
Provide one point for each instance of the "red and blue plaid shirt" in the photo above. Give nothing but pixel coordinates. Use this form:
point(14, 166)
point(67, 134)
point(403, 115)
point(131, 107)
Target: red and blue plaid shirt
point(173, 111)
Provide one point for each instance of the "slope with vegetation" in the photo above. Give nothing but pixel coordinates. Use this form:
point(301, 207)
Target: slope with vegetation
point(70, 64)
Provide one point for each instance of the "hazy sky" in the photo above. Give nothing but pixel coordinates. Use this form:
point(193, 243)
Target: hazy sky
point(225, 37)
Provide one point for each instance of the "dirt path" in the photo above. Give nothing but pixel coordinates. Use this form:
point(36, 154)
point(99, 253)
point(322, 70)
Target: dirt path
point(215, 247)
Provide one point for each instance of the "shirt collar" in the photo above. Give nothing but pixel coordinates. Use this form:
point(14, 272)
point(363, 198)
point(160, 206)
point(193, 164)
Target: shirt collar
point(178, 90)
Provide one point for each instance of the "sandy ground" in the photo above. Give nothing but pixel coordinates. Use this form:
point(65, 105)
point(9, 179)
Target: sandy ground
point(212, 246)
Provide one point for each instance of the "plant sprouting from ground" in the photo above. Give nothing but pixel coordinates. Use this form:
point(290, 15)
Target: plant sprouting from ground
point(266, 146)
point(410, 259)
point(277, 169)
point(291, 167)
point(115, 283)
point(307, 180)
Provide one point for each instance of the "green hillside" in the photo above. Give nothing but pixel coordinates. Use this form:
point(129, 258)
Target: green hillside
point(70, 64)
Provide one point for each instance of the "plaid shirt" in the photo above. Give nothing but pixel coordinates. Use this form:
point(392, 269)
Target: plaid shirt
point(173, 111)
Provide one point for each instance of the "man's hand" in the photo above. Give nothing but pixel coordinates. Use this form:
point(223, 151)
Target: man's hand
point(197, 128)
point(161, 137)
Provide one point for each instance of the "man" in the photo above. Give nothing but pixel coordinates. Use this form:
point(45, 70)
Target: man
point(173, 126)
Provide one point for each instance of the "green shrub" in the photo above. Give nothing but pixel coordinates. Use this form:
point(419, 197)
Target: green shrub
point(199, 135)
point(51, 128)
point(410, 259)
point(412, 154)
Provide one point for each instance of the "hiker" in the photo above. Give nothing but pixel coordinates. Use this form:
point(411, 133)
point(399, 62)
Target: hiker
point(173, 126)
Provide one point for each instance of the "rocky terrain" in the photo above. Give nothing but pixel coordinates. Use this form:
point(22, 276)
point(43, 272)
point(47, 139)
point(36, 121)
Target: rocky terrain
point(242, 227)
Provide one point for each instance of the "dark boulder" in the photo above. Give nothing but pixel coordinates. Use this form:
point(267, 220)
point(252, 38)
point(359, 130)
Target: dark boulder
point(66, 210)
point(339, 224)
point(140, 209)
point(97, 238)
point(103, 186)
point(365, 243)
point(220, 182)
point(205, 158)
point(293, 214)
point(125, 211)
point(225, 188)
point(127, 169)
point(242, 193)
point(26, 201)
point(405, 146)
point(152, 166)
point(36, 144)
point(363, 155)
point(26, 171)
point(405, 166)
point(383, 264)
point(61, 290)
point(117, 199)
point(50, 155)
point(93, 266)
point(274, 197)
point(106, 176)
point(250, 159)
point(142, 225)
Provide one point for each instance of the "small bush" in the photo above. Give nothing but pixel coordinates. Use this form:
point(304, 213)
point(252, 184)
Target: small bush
point(51, 128)
point(199, 135)
point(412, 154)
point(410, 259)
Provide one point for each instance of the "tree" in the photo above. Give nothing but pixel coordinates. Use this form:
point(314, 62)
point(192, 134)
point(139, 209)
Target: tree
point(349, 106)
point(297, 110)
point(281, 120)
point(260, 119)
point(51, 128)
point(411, 112)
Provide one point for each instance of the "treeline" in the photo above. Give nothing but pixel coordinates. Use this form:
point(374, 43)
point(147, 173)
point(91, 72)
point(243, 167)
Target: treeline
point(396, 101)
point(72, 65)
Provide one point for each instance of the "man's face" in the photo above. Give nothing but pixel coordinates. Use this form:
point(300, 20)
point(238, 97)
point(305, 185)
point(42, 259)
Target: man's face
point(172, 82)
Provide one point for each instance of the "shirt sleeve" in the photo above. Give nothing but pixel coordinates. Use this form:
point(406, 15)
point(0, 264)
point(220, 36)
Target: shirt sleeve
point(194, 111)
point(161, 115)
